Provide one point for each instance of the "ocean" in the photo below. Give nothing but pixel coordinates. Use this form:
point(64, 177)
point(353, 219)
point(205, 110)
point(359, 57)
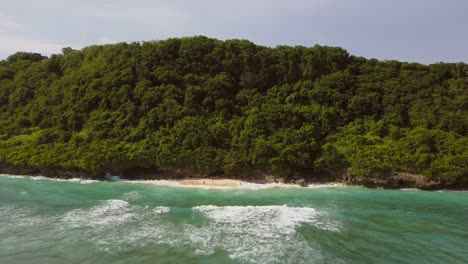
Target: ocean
point(81, 221)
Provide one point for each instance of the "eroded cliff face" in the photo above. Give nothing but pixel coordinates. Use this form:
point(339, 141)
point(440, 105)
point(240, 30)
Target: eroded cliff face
point(399, 180)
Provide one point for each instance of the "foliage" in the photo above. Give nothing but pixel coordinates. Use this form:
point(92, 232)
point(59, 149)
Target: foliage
point(232, 107)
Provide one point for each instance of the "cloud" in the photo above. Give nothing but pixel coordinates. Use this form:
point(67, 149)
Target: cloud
point(9, 24)
point(11, 45)
point(421, 30)
point(149, 13)
point(12, 40)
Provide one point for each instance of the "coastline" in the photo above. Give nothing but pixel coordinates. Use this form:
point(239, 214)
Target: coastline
point(199, 183)
point(225, 183)
point(188, 178)
point(229, 183)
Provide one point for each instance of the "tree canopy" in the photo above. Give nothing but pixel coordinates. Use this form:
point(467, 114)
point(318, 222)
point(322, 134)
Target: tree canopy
point(233, 107)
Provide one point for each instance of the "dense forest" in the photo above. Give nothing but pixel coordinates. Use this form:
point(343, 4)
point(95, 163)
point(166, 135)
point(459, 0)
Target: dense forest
point(233, 108)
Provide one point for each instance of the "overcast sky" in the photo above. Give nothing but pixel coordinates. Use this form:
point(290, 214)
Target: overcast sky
point(425, 31)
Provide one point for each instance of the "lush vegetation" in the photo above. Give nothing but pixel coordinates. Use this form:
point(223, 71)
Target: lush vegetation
point(232, 107)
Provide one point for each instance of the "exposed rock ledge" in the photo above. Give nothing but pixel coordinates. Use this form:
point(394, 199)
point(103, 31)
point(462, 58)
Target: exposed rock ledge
point(405, 180)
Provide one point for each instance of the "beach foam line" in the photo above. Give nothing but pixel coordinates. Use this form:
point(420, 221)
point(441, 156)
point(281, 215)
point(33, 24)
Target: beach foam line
point(217, 185)
point(79, 180)
point(242, 185)
point(409, 189)
point(14, 176)
point(326, 185)
point(41, 178)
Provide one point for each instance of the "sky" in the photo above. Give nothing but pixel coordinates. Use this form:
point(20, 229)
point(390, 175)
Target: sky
point(425, 31)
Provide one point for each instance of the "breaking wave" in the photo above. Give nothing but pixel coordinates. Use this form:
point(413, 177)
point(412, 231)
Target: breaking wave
point(260, 234)
point(248, 234)
point(40, 178)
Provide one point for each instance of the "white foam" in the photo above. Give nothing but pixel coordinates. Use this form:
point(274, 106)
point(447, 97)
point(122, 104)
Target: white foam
point(326, 185)
point(21, 219)
point(242, 185)
point(169, 183)
point(38, 178)
point(77, 180)
point(161, 210)
point(116, 225)
point(259, 234)
point(13, 176)
point(42, 178)
point(283, 218)
point(409, 189)
point(112, 212)
point(249, 234)
point(88, 181)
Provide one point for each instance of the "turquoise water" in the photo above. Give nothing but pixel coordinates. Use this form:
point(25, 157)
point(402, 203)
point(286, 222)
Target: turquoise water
point(47, 221)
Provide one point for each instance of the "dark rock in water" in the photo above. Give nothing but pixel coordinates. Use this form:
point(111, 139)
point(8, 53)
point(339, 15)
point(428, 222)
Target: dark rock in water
point(115, 178)
point(109, 177)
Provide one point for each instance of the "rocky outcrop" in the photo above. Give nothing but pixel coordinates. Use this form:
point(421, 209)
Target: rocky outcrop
point(399, 180)
point(273, 179)
point(301, 182)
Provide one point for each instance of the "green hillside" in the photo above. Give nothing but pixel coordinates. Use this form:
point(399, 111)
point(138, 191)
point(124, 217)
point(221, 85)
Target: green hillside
point(233, 108)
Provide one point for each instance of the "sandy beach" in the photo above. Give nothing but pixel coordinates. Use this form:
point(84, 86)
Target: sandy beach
point(211, 182)
point(204, 183)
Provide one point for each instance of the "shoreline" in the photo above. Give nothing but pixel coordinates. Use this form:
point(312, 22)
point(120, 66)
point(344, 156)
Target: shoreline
point(201, 183)
point(189, 178)
point(225, 183)
point(220, 183)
